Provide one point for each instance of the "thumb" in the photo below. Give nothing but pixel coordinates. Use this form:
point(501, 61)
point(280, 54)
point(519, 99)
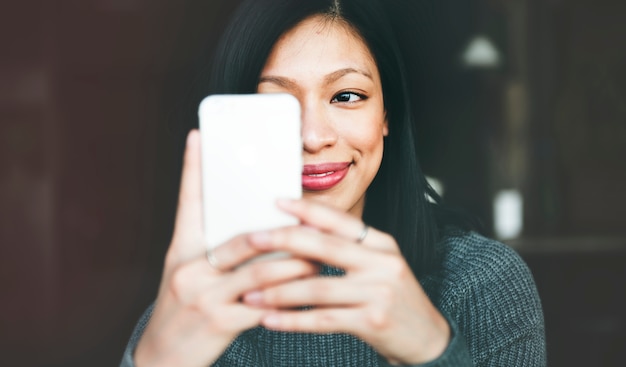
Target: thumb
point(188, 240)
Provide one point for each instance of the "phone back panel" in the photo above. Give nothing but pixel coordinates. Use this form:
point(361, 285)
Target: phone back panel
point(251, 156)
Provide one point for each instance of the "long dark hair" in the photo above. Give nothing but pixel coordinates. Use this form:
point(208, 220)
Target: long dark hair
point(397, 200)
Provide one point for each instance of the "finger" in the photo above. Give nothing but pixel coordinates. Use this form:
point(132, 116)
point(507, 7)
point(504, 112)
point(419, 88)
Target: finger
point(188, 225)
point(231, 318)
point(234, 252)
point(308, 243)
point(196, 279)
point(322, 217)
point(317, 320)
point(188, 281)
point(264, 274)
point(313, 291)
point(339, 223)
point(241, 317)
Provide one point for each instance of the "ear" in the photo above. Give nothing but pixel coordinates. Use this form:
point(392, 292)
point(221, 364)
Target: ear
point(386, 126)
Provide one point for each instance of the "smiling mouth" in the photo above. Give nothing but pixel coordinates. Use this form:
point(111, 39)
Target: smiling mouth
point(321, 174)
point(319, 177)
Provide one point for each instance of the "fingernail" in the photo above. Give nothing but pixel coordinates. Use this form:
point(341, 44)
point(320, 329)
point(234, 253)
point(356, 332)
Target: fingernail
point(260, 240)
point(271, 321)
point(285, 203)
point(192, 138)
point(253, 298)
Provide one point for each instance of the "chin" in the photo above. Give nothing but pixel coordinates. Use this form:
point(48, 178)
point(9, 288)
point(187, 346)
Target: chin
point(350, 206)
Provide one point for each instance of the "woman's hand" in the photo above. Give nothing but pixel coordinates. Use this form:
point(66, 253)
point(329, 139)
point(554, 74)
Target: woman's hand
point(198, 311)
point(378, 300)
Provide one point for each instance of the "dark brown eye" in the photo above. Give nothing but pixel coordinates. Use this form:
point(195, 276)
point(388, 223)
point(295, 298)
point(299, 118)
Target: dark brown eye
point(347, 97)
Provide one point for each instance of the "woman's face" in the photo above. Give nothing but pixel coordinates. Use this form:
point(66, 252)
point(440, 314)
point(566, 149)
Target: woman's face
point(334, 76)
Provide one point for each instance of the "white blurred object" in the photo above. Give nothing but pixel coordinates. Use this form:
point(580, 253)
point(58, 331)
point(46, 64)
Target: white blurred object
point(508, 214)
point(437, 185)
point(481, 53)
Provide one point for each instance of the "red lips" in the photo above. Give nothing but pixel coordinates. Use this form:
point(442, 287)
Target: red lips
point(318, 177)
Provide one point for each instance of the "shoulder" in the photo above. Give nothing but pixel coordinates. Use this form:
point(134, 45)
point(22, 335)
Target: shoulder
point(487, 289)
point(469, 263)
point(469, 257)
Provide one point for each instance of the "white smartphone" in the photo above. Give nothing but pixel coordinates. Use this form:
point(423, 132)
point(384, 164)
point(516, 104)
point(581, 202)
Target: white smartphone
point(251, 156)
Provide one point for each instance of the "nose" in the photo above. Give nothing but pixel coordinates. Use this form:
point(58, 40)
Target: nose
point(318, 131)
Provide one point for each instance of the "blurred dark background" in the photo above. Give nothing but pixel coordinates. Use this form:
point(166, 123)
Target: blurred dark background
point(520, 96)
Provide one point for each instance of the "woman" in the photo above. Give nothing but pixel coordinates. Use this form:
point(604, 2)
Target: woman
point(409, 288)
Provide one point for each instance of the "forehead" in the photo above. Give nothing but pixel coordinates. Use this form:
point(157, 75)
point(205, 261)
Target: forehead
point(321, 41)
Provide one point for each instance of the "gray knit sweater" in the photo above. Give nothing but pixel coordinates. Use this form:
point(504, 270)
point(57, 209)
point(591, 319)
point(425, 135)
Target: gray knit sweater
point(483, 288)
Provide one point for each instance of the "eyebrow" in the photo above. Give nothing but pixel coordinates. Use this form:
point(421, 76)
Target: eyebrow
point(336, 75)
point(288, 83)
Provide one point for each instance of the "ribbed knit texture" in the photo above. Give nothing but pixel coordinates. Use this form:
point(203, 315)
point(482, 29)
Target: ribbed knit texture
point(483, 288)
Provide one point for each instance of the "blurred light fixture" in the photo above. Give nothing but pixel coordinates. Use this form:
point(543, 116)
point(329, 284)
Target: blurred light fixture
point(508, 214)
point(481, 53)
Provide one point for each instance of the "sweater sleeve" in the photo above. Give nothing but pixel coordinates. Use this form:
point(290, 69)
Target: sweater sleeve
point(489, 298)
point(127, 358)
point(455, 355)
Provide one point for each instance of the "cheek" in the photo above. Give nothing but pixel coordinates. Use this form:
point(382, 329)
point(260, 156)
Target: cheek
point(366, 133)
